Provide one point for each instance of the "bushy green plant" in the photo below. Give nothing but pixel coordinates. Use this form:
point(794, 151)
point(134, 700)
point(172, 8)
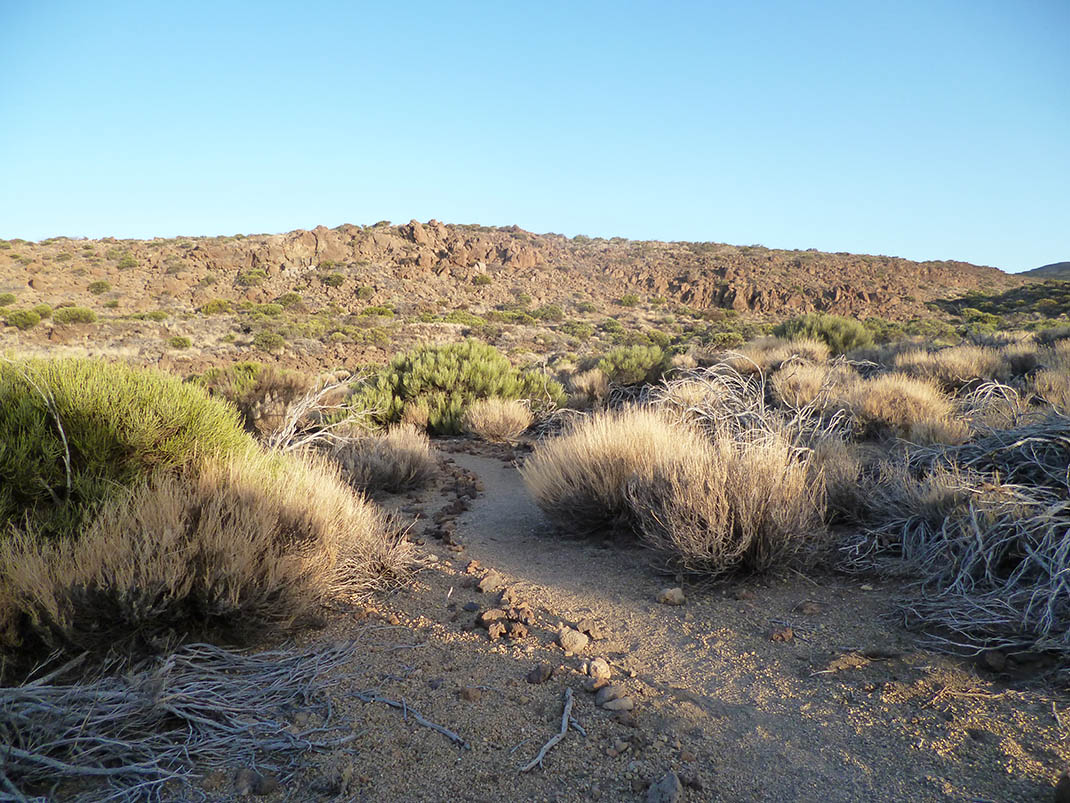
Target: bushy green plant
point(383, 312)
point(841, 334)
point(74, 315)
point(179, 342)
point(126, 261)
point(481, 280)
point(74, 431)
point(364, 293)
point(43, 310)
point(464, 317)
point(22, 319)
point(578, 329)
point(634, 365)
point(629, 300)
point(269, 341)
point(447, 379)
point(333, 279)
point(549, 312)
point(217, 306)
point(288, 300)
point(99, 287)
point(252, 278)
point(6, 299)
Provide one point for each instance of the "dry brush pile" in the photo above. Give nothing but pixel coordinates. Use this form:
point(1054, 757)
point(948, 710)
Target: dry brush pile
point(950, 465)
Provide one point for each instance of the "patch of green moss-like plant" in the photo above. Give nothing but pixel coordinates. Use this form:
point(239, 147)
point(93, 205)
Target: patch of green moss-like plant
point(22, 319)
point(382, 312)
point(125, 262)
point(841, 334)
point(43, 310)
point(252, 278)
point(333, 279)
point(482, 280)
point(464, 317)
point(179, 342)
point(629, 300)
point(447, 379)
point(7, 299)
point(267, 340)
point(74, 315)
point(364, 293)
point(288, 300)
point(75, 432)
point(217, 306)
point(99, 287)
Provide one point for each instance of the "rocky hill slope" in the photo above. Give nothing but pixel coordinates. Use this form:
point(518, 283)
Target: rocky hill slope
point(442, 265)
point(1056, 270)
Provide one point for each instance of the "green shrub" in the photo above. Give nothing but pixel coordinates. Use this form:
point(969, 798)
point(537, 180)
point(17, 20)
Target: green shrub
point(611, 326)
point(481, 280)
point(126, 261)
point(266, 340)
point(383, 312)
point(364, 293)
point(74, 315)
point(99, 287)
point(549, 312)
point(288, 300)
point(585, 306)
point(180, 342)
point(217, 306)
point(252, 278)
point(111, 303)
point(579, 329)
point(22, 319)
point(119, 423)
point(841, 334)
point(268, 310)
point(465, 317)
point(629, 300)
point(447, 379)
point(6, 299)
point(43, 311)
point(634, 365)
point(157, 315)
point(333, 279)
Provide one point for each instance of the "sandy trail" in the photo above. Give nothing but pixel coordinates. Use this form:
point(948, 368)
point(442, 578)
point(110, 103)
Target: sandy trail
point(739, 716)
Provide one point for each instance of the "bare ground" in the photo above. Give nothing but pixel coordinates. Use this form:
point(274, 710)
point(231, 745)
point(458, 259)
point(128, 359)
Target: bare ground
point(848, 709)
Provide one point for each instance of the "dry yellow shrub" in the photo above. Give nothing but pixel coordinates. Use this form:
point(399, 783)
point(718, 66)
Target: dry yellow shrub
point(497, 419)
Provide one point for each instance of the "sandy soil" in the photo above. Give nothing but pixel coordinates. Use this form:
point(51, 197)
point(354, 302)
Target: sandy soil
point(846, 709)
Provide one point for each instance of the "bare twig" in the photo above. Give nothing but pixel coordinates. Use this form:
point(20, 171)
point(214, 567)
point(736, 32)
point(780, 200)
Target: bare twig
point(566, 716)
point(375, 697)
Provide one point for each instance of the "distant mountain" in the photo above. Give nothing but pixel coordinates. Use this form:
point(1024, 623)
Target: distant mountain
point(1056, 270)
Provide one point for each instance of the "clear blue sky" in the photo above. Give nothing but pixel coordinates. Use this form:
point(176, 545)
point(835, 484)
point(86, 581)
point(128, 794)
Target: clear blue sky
point(928, 129)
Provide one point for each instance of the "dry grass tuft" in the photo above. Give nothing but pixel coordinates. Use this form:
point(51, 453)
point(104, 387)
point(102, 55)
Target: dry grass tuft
point(588, 389)
point(252, 541)
point(398, 460)
point(769, 353)
point(957, 366)
point(579, 478)
point(910, 408)
point(499, 420)
point(800, 384)
point(743, 501)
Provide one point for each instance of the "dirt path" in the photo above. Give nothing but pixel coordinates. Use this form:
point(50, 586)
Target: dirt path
point(844, 708)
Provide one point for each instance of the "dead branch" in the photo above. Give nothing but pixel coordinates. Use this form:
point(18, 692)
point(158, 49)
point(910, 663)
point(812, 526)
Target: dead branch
point(566, 717)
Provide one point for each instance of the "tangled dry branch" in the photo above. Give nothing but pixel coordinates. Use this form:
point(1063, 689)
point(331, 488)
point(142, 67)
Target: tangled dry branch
point(145, 733)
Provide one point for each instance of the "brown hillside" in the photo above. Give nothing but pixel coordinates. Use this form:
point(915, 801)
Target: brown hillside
point(435, 262)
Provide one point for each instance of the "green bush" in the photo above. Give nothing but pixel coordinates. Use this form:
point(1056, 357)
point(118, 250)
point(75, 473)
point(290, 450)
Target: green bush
point(629, 300)
point(841, 334)
point(180, 342)
point(267, 340)
point(383, 312)
point(333, 279)
point(268, 310)
point(252, 278)
point(126, 261)
point(74, 315)
point(217, 306)
point(634, 365)
point(579, 329)
point(288, 300)
point(22, 319)
point(481, 280)
point(447, 379)
point(6, 298)
point(157, 315)
point(549, 312)
point(99, 287)
point(464, 317)
point(364, 293)
point(43, 310)
point(119, 424)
